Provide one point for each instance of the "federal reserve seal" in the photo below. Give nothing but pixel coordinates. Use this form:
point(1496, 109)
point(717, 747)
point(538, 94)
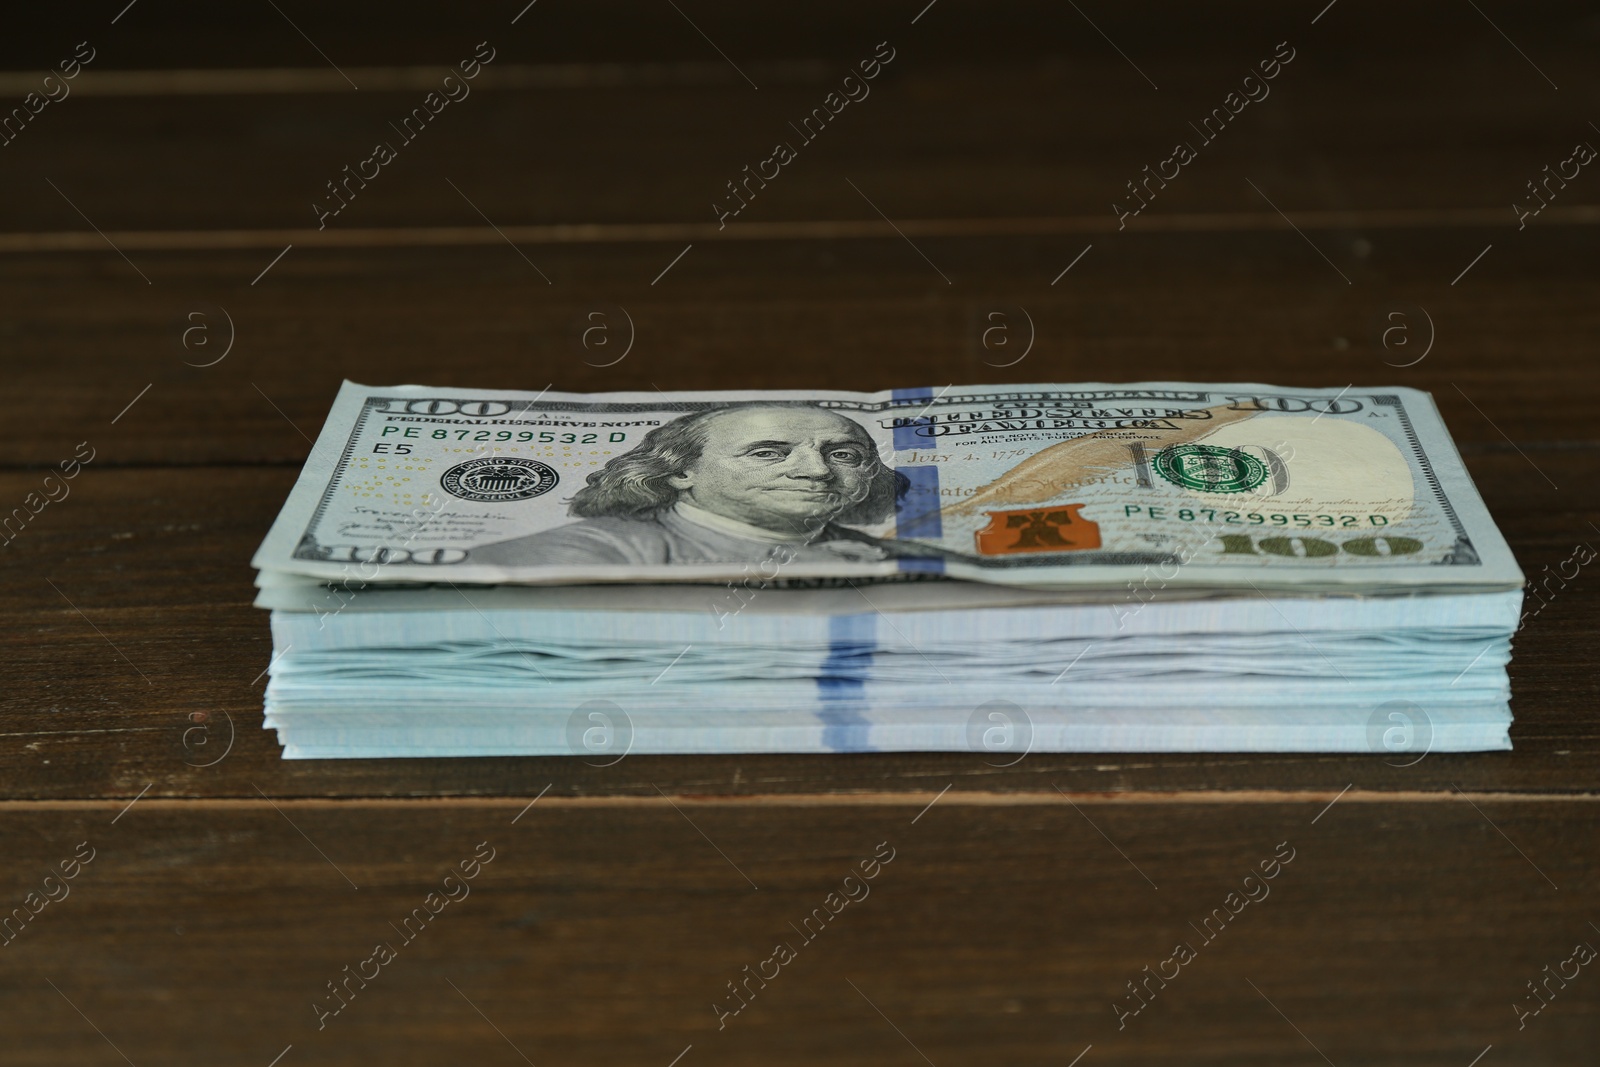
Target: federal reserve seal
point(499, 479)
point(1210, 469)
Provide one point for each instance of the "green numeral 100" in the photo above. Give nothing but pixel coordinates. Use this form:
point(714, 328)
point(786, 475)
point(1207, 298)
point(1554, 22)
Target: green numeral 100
point(1239, 544)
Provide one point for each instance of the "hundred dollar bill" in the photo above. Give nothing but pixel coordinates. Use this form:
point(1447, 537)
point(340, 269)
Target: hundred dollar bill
point(1152, 486)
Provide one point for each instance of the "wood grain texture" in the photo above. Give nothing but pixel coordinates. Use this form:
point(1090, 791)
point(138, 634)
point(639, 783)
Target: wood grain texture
point(1021, 901)
point(1397, 933)
point(869, 313)
point(1433, 110)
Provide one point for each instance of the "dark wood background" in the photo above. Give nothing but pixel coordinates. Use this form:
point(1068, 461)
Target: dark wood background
point(1418, 906)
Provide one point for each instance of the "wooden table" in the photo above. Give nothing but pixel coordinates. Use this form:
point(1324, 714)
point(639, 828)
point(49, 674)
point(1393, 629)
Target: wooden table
point(1354, 226)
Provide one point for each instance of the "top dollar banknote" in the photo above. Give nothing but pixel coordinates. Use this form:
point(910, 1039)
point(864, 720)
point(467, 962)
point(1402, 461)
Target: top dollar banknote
point(1092, 486)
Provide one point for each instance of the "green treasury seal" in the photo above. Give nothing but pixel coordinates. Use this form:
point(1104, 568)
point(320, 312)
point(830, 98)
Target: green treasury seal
point(1210, 469)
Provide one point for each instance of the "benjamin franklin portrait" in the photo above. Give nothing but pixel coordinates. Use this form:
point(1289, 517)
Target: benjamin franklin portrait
point(743, 483)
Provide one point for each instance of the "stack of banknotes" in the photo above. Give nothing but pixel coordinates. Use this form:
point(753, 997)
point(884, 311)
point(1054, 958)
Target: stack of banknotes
point(1160, 566)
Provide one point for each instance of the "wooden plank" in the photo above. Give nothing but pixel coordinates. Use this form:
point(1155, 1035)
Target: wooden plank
point(190, 33)
point(148, 640)
point(605, 935)
point(1027, 112)
point(90, 336)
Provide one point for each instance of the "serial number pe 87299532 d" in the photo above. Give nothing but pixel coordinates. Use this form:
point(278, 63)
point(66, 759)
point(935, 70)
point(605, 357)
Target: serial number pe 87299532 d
point(1251, 518)
point(542, 436)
